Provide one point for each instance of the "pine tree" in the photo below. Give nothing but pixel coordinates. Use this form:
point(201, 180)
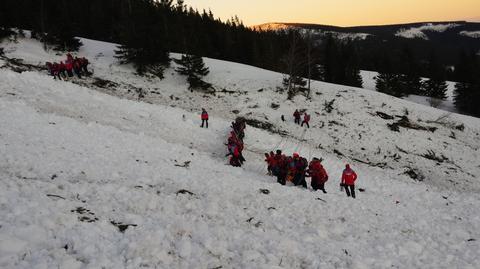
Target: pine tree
point(194, 68)
point(435, 86)
point(351, 68)
point(467, 89)
point(388, 81)
point(410, 80)
point(330, 57)
point(143, 38)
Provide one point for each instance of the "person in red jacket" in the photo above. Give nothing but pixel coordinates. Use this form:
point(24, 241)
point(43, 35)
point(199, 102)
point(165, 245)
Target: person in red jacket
point(235, 159)
point(348, 181)
point(69, 57)
point(69, 67)
point(296, 116)
point(318, 174)
point(204, 117)
point(306, 120)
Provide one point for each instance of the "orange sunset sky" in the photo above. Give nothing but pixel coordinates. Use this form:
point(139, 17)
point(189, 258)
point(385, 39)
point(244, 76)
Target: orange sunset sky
point(341, 12)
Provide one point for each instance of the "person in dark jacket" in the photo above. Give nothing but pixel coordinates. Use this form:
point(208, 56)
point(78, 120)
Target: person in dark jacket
point(348, 181)
point(296, 116)
point(62, 70)
point(279, 167)
point(77, 68)
point(50, 68)
point(204, 117)
point(84, 66)
point(297, 167)
point(56, 71)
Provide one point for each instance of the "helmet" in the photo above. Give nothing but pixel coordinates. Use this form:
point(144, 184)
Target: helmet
point(296, 155)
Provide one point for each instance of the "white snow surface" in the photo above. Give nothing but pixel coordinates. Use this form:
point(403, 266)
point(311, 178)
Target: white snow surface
point(69, 147)
point(419, 32)
point(472, 34)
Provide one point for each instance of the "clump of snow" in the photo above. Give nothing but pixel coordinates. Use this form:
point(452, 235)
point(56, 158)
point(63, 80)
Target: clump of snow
point(418, 32)
point(472, 34)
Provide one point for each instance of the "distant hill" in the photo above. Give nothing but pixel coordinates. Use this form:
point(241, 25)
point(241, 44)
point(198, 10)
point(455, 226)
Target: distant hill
point(445, 38)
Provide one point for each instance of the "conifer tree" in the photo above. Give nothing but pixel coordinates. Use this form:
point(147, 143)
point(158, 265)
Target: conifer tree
point(194, 68)
point(388, 81)
point(350, 67)
point(142, 38)
point(330, 56)
point(410, 81)
point(467, 89)
point(435, 86)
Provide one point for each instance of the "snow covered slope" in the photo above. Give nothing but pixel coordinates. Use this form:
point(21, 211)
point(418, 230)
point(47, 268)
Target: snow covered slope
point(448, 104)
point(419, 32)
point(91, 180)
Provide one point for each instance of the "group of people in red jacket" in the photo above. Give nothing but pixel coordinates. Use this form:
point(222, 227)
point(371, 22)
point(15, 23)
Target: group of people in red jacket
point(63, 70)
point(293, 168)
point(296, 168)
point(235, 142)
point(297, 117)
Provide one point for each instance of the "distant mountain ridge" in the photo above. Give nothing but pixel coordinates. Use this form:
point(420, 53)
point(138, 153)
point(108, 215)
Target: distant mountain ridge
point(445, 38)
point(372, 29)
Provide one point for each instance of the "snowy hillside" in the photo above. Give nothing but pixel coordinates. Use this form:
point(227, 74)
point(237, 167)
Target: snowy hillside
point(314, 32)
point(95, 176)
point(445, 38)
point(419, 32)
point(448, 104)
point(472, 34)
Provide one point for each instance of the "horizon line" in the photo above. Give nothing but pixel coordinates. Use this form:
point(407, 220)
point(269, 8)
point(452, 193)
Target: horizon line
point(371, 25)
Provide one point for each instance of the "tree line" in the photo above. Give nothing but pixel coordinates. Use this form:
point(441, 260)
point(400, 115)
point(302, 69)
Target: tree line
point(402, 74)
point(147, 30)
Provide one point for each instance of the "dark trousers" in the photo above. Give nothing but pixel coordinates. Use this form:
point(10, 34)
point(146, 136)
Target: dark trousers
point(204, 121)
point(351, 191)
point(78, 72)
point(234, 161)
point(281, 178)
point(318, 186)
point(305, 122)
point(85, 70)
point(297, 120)
point(299, 179)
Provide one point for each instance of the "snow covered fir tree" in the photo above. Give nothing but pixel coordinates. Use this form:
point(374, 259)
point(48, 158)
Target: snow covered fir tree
point(148, 134)
point(194, 68)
